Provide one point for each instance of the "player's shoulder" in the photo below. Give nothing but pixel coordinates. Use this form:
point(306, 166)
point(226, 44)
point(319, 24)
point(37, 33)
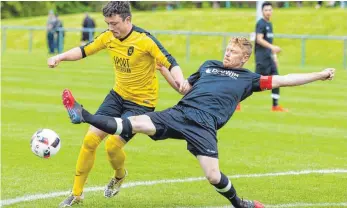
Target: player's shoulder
point(246, 72)
point(144, 35)
point(140, 30)
point(261, 21)
point(213, 63)
point(105, 35)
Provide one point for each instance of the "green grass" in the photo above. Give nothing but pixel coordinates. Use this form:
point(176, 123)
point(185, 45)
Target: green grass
point(313, 135)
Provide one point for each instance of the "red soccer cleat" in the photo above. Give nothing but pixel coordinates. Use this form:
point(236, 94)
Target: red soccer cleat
point(258, 204)
point(68, 99)
point(73, 108)
point(238, 107)
point(279, 108)
point(251, 204)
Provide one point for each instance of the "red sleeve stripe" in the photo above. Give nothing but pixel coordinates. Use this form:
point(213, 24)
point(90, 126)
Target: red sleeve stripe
point(265, 82)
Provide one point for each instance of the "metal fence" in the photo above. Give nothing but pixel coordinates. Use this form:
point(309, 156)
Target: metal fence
point(188, 35)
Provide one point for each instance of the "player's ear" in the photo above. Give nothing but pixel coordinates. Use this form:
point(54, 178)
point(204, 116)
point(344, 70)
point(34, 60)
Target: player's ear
point(245, 58)
point(128, 19)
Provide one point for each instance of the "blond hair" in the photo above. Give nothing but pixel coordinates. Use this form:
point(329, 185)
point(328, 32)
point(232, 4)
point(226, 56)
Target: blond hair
point(243, 43)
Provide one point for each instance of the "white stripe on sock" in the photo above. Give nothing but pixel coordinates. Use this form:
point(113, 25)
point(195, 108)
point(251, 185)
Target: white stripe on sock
point(227, 188)
point(275, 96)
point(119, 126)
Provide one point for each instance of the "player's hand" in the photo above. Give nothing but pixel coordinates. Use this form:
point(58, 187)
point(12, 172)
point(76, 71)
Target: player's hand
point(275, 59)
point(185, 87)
point(275, 49)
point(53, 61)
point(328, 74)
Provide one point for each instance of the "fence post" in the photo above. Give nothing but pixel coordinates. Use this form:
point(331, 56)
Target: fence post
point(30, 40)
point(345, 54)
point(3, 40)
point(223, 46)
point(90, 34)
point(303, 51)
point(187, 47)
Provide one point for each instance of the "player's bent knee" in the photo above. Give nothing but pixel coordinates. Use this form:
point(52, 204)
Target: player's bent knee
point(91, 141)
point(213, 176)
point(142, 124)
point(113, 143)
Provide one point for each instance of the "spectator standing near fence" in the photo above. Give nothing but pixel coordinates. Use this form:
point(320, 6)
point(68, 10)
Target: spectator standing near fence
point(88, 23)
point(59, 39)
point(50, 31)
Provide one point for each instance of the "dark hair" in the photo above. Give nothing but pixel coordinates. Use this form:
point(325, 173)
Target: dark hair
point(122, 8)
point(266, 4)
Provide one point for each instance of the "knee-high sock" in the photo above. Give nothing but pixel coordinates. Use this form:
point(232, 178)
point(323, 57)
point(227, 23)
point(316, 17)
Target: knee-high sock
point(116, 155)
point(226, 189)
point(85, 161)
point(109, 124)
point(275, 96)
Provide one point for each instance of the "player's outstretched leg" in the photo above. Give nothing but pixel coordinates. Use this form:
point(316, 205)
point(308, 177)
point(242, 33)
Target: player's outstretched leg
point(73, 108)
point(222, 184)
point(79, 115)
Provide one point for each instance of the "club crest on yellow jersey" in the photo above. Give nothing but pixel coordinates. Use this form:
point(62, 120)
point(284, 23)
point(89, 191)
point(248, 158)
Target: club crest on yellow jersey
point(130, 50)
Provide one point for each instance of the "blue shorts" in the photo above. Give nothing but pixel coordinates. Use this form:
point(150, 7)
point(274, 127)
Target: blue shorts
point(115, 106)
point(197, 127)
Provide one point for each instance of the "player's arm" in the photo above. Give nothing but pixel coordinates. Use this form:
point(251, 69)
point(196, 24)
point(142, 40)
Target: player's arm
point(301, 79)
point(78, 53)
point(261, 83)
point(167, 75)
point(260, 30)
point(165, 59)
point(261, 41)
point(187, 84)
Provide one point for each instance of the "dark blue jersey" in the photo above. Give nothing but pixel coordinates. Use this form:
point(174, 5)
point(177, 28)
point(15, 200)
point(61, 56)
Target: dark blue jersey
point(217, 90)
point(265, 28)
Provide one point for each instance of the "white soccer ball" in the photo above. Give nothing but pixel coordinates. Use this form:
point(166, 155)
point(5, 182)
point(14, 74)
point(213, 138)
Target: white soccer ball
point(45, 143)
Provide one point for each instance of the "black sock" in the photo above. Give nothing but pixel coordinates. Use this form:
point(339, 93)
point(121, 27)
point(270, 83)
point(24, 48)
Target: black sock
point(226, 188)
point(127, 129)
point(105, 123)
point(108, 124)
point(275, 96)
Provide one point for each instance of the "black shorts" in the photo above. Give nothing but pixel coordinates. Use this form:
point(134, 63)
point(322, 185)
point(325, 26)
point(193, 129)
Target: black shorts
point(266, 67)
point(115, 106)
point(198, 128)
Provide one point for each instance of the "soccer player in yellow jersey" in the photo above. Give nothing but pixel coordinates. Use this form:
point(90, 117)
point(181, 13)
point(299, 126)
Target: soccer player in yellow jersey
point(135, 54)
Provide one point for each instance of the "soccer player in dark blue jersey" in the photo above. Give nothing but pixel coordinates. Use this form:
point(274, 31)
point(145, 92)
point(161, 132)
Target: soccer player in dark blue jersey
point(266, 52)
point(211, 97)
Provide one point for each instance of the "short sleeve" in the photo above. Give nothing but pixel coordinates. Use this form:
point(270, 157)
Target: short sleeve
point(260, 28)
point(260, 83)
point(94, 46)
point(161, 55)
point(195, 77)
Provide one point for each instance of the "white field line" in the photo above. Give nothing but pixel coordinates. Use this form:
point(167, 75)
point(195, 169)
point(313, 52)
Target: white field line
point(165, 181)
point(297, 205)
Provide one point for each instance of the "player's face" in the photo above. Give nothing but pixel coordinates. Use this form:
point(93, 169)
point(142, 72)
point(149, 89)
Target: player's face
point(233, 57)
point(267, 12)
point(117, 26)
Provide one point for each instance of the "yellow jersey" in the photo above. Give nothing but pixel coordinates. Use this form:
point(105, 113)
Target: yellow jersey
point(134, 58)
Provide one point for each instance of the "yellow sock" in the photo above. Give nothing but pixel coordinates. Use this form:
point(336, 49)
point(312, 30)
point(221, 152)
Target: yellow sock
point(116, 155)
point(85, 161)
